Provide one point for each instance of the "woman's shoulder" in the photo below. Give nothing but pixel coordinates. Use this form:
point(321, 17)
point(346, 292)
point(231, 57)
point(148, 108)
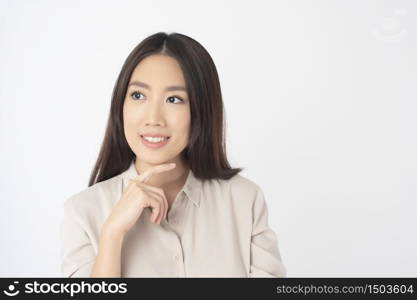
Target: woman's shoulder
point(240, 184)
point(239, 187)
point(239, 194)
point(100, 195)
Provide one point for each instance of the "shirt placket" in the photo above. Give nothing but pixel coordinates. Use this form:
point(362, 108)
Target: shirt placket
point(174, 224)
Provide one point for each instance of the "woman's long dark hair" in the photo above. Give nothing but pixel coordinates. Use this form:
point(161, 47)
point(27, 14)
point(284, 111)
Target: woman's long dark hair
point(206, 150)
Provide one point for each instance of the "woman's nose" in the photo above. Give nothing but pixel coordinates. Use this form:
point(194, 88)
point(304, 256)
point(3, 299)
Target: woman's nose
point(154, 113)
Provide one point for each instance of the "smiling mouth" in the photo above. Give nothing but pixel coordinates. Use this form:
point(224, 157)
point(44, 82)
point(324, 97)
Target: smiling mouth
point(153, 139)
point(154, 142)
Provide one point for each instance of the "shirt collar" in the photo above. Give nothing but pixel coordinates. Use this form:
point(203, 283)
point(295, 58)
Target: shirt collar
point(191, 188)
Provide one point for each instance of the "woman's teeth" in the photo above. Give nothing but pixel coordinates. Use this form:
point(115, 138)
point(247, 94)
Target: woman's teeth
point(155, 140)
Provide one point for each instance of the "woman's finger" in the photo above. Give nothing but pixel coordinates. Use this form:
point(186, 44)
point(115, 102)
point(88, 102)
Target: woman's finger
point(156, 210)
point(158, 191)
point(163, 206)
point(145, 176)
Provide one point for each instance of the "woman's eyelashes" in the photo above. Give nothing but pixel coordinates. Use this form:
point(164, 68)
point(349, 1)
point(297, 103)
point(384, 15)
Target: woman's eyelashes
point(136, 96)
point(173, 97)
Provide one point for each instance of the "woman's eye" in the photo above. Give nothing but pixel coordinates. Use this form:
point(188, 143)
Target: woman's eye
point(173, 97)
point(136, 95)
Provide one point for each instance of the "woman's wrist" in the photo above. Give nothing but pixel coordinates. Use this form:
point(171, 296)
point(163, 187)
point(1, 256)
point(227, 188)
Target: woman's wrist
point(109, 231)
point(108, 260)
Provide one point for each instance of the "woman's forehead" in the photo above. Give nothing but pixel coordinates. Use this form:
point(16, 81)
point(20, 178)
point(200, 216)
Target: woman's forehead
point(158, 69)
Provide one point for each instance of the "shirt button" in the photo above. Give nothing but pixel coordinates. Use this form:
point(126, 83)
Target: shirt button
point(175, 222)
point(177, 257)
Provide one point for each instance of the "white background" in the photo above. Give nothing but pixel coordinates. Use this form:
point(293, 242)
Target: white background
point(321, 105)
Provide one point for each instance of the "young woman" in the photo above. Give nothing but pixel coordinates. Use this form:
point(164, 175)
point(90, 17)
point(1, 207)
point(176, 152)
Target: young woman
point(162, 200)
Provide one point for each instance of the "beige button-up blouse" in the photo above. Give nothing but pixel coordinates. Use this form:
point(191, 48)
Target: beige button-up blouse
point(214, 228)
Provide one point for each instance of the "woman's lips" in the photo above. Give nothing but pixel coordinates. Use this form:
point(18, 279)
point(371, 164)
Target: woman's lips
point(154, 145)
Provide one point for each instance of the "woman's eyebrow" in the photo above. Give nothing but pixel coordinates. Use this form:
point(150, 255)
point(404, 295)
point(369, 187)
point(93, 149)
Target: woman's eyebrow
point(169, 88)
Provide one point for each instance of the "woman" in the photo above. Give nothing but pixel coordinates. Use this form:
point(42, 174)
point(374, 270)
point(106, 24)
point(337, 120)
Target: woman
point(163, 200)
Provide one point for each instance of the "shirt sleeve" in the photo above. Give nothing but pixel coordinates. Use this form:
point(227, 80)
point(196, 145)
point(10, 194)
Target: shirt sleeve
point(77, 252)
point(265, 256)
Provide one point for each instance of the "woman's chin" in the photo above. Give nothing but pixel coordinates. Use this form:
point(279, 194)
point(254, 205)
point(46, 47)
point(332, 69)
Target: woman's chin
point(155, 161)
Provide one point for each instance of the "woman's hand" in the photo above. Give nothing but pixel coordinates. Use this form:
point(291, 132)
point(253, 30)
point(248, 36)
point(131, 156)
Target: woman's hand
point(137, 196)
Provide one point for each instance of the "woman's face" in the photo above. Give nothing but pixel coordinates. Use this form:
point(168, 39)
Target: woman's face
point(157, 103)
